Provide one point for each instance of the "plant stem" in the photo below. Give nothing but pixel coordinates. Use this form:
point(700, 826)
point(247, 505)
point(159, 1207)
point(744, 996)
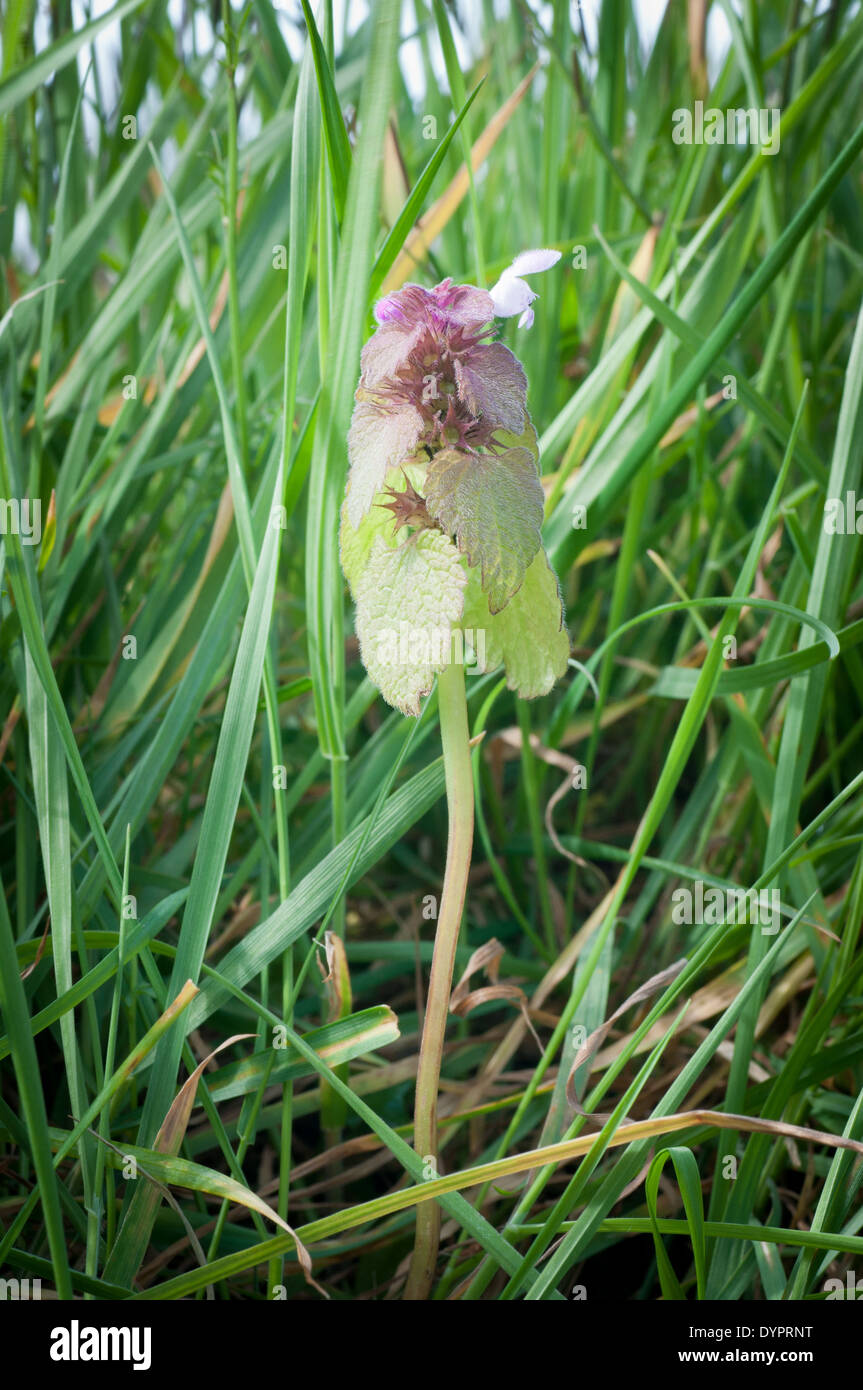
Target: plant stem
point(452, 705)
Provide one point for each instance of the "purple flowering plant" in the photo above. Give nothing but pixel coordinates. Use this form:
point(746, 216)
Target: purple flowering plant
point(444, 506)
point(441, 534)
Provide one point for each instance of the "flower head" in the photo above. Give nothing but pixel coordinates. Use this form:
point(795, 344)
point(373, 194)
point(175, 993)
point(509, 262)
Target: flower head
point(444, 505)
point(512, 295)
point(430, 378)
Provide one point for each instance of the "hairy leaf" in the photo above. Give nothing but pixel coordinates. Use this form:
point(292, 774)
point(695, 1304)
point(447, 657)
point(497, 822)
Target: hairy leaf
point(377, 440)
point(356, 541)
point(528, 638)
point(408, 601)
point(494, 507)
point(387, 351)
point(492, 384)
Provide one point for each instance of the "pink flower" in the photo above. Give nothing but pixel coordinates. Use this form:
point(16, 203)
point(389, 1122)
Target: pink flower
point(430, 378)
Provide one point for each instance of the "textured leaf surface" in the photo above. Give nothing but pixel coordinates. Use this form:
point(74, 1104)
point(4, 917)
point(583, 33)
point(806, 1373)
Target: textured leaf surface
point(494, 507)
point(408, 600)
point(528, 638)
point(470, 306)
point(356, 541)
point(526, 438)
point(492, 384)
point(377, 440)
point(387, 350)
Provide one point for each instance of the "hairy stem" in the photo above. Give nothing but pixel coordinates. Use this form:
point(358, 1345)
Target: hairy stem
point(459, 791)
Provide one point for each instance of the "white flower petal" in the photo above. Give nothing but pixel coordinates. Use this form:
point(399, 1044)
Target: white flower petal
point(511, 295)
point(529, 262)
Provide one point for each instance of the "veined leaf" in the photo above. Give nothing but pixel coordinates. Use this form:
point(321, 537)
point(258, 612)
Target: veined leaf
point(527, 637)
point(493, 504)
point(408, 601)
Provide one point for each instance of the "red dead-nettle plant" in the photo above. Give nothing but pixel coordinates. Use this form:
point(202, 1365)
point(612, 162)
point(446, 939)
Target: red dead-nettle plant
point(441, 545)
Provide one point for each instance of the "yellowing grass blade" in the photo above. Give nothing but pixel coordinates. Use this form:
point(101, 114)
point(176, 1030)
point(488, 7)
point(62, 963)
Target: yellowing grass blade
point(432, 224)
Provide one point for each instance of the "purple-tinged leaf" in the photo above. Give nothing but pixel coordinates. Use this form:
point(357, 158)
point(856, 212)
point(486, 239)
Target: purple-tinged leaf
point(379, 439)
point(492, 384)
point(387, 352)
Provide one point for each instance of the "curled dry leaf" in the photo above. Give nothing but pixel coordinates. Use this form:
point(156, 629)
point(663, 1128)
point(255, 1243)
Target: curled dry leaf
point(168, 1141)
point(170, 1136)
point(464, 999)
point(336, 978)
point(556, 796)
point(598, 1036)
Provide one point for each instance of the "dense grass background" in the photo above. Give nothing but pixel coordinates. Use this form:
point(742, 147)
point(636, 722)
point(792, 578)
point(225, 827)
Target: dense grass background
point(184, 298)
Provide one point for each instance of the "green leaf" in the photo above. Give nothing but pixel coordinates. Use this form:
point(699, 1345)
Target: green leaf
point(335, 135)
point(408, 600)
point(353, 1036)
point(13, 1003)
point(326, 482)
point(134, 1235)
point(378, 440)
point(180, 1172)
point(32, 75)
point(526, 439)
point(309, 900)
point(220, 810)
point(528, 637)
point(689, 1179)
point(493, 505)
point(99, 973)
point(356, 541)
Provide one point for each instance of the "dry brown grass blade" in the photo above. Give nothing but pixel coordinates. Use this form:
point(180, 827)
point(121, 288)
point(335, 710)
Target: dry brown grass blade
point(170, 1137)
point(625, 305)
point(433, 222)
point(593, 1043)
point(174, 1125)
point(506, 743)
point(626, 301)
point(556, 973)
point(336, 977)
point(395, 184)
point(713, 999)
point(568, 1149)
point(32, 966)
point(111, 408)
point(92, 710)
point(708, 1002)
point(464, 1000)
point(687, 418)
point(557, 796)
point(696, 32)
point(9, 727)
